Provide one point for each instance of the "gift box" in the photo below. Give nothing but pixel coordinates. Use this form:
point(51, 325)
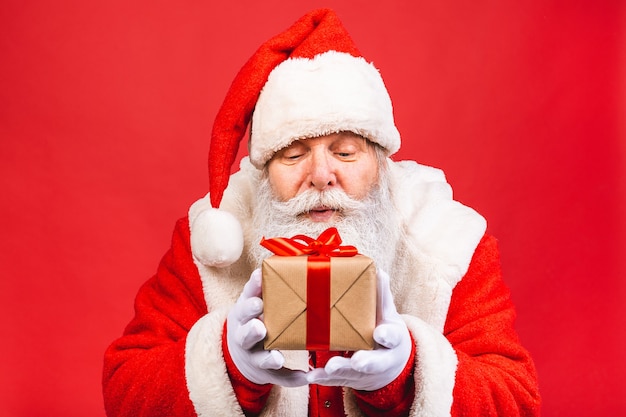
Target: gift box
point(322, 298)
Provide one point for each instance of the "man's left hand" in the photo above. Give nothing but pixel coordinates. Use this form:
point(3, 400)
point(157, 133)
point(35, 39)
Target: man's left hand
point(369, 370)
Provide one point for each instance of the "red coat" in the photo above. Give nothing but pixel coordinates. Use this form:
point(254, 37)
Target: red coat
point(144, 370)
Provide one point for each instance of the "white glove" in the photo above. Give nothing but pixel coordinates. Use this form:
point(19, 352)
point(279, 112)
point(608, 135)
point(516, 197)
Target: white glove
point(369, 370)
point(244, 334)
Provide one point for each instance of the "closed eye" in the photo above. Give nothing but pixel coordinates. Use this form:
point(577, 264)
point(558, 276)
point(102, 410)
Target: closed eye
point(345, 156)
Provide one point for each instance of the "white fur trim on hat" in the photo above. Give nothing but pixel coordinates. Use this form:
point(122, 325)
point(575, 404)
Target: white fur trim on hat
point(333, 92)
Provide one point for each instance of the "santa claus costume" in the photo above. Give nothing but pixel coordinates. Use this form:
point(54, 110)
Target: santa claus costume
point(172, 359)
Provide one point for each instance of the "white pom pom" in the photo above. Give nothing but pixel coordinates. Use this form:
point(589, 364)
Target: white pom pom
point(216, 238)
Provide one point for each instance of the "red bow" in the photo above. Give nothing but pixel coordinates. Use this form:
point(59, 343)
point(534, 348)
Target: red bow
point(327, 244)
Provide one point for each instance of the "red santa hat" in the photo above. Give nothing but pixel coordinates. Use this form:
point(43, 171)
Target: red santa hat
point(306, 82)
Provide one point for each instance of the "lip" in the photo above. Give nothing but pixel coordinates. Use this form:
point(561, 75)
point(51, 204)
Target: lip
point(322, 214)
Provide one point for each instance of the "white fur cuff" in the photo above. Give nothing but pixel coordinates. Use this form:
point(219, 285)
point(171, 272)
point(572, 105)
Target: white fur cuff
point(209, 387)
point(435, 370)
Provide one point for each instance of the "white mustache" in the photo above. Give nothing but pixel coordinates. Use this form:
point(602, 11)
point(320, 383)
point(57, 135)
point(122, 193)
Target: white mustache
point(332, 199)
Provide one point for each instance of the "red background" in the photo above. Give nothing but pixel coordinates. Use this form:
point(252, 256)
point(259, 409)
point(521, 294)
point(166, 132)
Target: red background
point(105, 114)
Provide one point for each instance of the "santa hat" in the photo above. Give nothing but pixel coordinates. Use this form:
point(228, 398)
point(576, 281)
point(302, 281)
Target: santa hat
point(306, 82)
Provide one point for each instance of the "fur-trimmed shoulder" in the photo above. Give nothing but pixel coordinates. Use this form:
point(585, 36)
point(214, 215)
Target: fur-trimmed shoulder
point(438, 228)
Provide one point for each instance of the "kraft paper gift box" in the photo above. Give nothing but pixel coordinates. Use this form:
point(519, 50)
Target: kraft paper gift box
point(302, 311)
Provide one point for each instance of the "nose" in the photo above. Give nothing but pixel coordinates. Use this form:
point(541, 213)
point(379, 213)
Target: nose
point(321, 171)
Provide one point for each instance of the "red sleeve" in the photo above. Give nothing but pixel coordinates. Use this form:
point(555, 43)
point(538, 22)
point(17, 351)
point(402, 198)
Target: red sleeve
point(495, 375)
point(393, 400)
point(144, 370)
point(251, 397)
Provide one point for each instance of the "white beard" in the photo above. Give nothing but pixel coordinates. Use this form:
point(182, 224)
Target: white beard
point(371, 224)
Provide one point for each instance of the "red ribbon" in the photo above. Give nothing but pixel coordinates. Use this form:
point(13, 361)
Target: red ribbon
point(319, 252)
point(327, 244)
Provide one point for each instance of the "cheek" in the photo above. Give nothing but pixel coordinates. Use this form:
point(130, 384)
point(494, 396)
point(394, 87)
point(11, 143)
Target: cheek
point(361, 180)
point(284, 183)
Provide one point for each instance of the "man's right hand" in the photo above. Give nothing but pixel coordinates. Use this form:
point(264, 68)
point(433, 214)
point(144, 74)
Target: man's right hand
point(245, 332)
